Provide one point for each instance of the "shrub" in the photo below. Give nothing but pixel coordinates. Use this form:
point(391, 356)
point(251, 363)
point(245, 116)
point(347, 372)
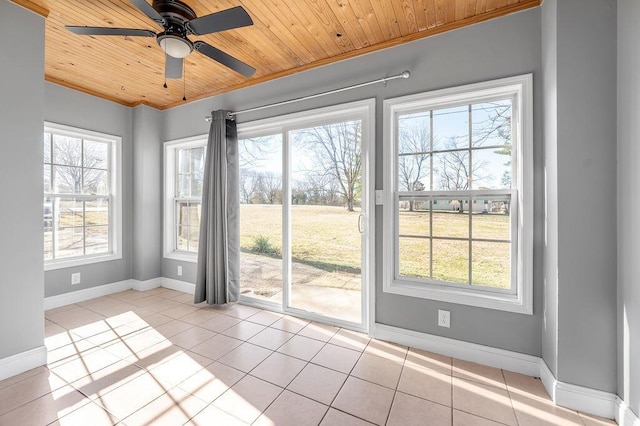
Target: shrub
point(262, 244)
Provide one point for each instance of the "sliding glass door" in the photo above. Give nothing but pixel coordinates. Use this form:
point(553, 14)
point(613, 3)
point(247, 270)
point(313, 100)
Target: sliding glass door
point(304, 214)
point(326, 210)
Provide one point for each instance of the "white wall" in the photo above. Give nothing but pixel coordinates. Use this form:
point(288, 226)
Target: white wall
point(21, 127)
point(629, 203)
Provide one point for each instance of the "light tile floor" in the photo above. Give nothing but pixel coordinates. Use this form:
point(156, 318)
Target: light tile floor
point(153, 358)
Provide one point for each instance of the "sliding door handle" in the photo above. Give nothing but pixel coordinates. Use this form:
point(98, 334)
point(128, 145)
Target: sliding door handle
point(360, 218)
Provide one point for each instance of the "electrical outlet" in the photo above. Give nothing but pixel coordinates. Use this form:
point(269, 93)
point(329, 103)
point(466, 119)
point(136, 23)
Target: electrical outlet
point(444, 318)
point(179, 271)
point(75, 278)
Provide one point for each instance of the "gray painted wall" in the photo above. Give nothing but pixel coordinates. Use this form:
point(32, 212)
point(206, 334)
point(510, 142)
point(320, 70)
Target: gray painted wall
point(72, 108)
point(586, 156)
point(498, 48)
point(628, 184)
point(147, 193)
point(21, 116)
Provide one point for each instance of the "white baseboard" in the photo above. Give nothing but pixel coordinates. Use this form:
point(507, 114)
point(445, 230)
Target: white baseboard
point(52, 302)
point(586, 400)
point(24, 361)
point(146, 285)
point(499, 358)
point(624, 415)
point(178, 285)
point(579, 398)
point(548, 379)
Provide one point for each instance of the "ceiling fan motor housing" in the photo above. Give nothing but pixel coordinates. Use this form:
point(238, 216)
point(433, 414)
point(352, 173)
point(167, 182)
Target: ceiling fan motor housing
point(173, 39)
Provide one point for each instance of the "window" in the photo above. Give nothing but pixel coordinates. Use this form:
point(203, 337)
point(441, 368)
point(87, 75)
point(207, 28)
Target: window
point(81, 207)
point(184, 174)
point(459, 177)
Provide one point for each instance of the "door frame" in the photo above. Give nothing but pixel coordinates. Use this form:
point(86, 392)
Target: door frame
point(364, 110)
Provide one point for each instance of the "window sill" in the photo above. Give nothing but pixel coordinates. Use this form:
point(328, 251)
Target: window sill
point(61, 264)
point(182, 256)
point(487, 300)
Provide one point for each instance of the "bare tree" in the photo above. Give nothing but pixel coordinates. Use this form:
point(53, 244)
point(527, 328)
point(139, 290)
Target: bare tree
point(413, 161)
point(79, 167)
point(270, 185)
point(337, 148)
point(456, 173)
point(497, 126)
point(249, 185)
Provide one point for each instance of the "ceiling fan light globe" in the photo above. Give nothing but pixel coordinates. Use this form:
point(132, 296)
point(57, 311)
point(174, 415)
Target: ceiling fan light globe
point(176, 47)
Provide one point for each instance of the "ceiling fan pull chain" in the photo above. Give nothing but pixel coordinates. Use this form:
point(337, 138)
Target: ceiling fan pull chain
point(184, 80)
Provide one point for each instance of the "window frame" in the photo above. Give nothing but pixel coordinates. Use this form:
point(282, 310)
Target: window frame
point(171, 250)
point(520, 300)
point(114, 196)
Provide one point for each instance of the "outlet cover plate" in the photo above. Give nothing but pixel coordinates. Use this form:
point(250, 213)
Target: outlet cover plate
point(444, 318)
point(75, 278)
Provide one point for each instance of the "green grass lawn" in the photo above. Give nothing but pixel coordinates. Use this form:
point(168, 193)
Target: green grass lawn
point(327, 237)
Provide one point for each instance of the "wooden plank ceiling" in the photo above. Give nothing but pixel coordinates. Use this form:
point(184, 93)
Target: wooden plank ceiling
point(288, 36)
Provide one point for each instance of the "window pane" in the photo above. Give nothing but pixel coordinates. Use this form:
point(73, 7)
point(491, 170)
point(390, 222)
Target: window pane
point(183, 213)
point(491, 265)
point(48, 243)
point(495, 224)
point(261, 216)
point(182, 238)
point(67, 180)
point(97, 212)
point(69, 242)
point(96, 182)
point(492, 168)
point(413, 218)
point(97, 239)
point(47, 179)
point(194, 236)
point(451, 261)
point(194, 215)
point(414, 133)
point(47, 147)
point(183, 186)
point(492, 123)
point(67, 150)
point(96, 155)
point(451, 218)
point(196, 184)
point(47, 210)
point(451, 128)
point(414, 257)
point(414, 172)
point(451, 171)
point(188, 223)
point(184, 160)
point(69, 212)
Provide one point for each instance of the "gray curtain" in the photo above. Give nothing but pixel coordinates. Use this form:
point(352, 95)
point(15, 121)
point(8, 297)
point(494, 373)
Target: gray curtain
point(218, 270)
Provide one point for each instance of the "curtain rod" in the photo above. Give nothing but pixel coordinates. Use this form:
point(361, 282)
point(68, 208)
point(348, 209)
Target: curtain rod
point(404, 74)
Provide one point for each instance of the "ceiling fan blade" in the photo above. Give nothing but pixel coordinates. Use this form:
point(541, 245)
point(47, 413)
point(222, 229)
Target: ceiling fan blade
point(110, 31)
point(148, 10)
point(225, 59)
point(173, 67)
point(235, 17)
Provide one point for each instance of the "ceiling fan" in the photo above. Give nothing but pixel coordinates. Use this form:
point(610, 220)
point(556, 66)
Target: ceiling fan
point(178, 20)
